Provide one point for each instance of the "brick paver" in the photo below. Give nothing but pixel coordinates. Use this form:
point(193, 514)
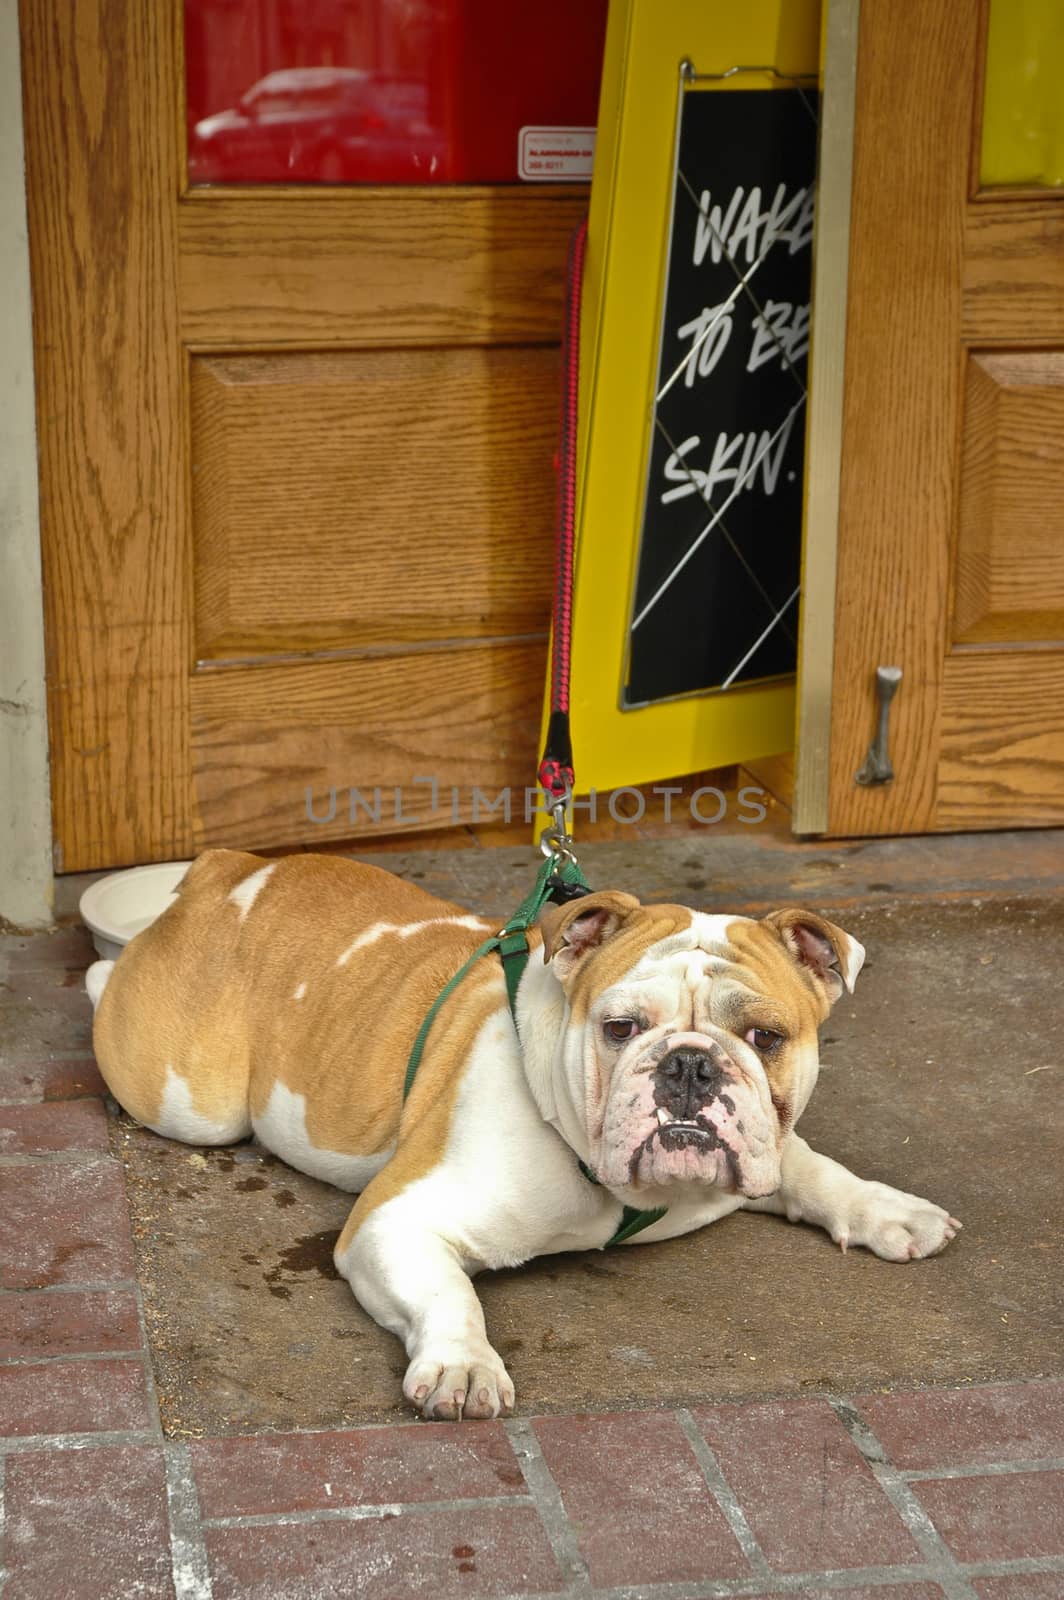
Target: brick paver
point(43, 1322)
point(1021, 1586)
point(489, 1551)
point(935, 1495)
point(88, 1525)
point(67, 950)
point(807, 1493)
point(325, 1471)
point(74, 1397)
point(998, 1518)
point(903, 1591)
point(65, 1222)
point(968, 1427)
point(47, 1010)
point(638, 1498)
point(49, 1078)
point(62, 1125)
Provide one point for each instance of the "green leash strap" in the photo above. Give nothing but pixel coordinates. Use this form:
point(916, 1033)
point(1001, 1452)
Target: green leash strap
point(633, 1220)
point(430, 1016)
point(512, 944)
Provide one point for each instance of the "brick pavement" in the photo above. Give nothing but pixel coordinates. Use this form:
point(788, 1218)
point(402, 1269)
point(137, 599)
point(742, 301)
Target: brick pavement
point(924, 1495)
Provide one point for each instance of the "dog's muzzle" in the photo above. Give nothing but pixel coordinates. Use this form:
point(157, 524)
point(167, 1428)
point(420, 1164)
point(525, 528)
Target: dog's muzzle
point(686, 1081)
point(694, 1115)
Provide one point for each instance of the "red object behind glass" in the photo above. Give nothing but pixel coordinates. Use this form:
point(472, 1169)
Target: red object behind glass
point(383, 91)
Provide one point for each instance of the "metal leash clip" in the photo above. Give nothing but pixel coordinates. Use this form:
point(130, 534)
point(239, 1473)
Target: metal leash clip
point(556, 842)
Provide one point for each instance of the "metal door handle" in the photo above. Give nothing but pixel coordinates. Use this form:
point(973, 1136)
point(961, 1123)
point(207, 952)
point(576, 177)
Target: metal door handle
point(877, 767)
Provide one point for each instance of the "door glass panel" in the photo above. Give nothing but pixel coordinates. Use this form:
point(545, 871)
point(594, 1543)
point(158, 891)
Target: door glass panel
point(1023, 107)
point(392, 91)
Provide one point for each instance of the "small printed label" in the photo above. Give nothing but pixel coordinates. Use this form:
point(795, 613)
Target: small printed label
point(555, 155)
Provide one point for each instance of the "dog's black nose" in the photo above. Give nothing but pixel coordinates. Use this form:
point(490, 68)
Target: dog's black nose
point(686, 1080)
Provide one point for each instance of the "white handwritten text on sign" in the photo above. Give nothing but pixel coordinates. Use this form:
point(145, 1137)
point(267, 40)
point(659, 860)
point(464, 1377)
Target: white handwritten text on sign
point(720, 544)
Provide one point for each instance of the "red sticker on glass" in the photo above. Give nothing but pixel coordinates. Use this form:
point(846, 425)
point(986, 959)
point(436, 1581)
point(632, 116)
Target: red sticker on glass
point(555, 155)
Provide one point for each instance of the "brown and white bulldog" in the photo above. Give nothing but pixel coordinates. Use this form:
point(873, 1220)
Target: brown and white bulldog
point(669, 1050)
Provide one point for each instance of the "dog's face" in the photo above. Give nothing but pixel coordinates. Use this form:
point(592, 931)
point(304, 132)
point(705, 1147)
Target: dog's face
point(691, 1041)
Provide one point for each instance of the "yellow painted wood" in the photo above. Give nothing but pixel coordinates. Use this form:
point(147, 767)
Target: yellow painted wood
point(1023, 103)
point(623, 291)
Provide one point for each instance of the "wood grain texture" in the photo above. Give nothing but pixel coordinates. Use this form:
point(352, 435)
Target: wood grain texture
point(810, 781)
point(374, 267)
point(1014, 271)
point(776, 775)
point(263, 737)
point(100, 95)
point(916, 72)
point(1009, 561)
point(371, 497)
point(1002, 740)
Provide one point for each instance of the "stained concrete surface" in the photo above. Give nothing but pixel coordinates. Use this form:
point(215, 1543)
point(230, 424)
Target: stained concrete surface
point(941, 1075)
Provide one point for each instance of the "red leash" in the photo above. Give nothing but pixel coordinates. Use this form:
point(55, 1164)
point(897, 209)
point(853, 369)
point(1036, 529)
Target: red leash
point(556, 767)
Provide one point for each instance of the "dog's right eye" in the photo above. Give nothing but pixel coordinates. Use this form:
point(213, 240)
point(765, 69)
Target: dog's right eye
point(619, 1029)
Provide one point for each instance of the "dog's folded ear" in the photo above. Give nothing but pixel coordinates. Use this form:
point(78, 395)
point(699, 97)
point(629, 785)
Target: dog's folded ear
point(571, 931)
point(832, 957)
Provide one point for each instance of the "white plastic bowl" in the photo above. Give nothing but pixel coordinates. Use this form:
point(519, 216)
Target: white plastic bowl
point(119, 906)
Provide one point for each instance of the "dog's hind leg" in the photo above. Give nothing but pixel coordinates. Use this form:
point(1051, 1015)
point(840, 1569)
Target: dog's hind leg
point(96, 980)
point(178, 1072)
point(213, 1117)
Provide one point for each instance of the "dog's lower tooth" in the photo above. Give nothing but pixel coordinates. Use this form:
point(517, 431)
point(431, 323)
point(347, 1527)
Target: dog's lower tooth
point(663, 1117)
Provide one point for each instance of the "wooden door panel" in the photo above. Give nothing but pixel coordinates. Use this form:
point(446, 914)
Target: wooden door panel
point(263, 735)
point(350, 266)
point(897, 492)
point(1002, 737)
point(951, 527)
point(99, 90)
point(371, 497)
point(310, 425)
point(1009, 576)
point(1014, 272)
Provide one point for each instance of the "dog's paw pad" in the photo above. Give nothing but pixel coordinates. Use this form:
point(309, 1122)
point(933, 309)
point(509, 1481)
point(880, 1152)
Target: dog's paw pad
point(456, 1385)
point(899, 1226)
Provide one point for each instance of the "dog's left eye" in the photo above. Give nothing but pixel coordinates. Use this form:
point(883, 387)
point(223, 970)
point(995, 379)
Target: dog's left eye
point(763, 1038)
point(618, 1029)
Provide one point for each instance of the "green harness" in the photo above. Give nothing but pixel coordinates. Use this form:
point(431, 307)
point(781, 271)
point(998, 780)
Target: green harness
point(512, 944)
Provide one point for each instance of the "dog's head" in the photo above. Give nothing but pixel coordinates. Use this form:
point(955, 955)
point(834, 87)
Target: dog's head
point(690, 1047)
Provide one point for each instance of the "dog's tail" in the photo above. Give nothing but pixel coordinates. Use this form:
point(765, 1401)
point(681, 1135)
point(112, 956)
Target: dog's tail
point(96, 980)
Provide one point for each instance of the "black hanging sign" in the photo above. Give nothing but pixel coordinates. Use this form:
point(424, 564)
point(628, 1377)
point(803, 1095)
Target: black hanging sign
point(719, 553)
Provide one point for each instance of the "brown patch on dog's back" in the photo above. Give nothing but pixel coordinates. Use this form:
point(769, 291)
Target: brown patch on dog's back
point(185, 993)
point(429, 1111)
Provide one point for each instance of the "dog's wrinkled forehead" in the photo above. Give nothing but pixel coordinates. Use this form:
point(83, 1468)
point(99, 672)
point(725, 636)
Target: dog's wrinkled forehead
point(670, 958)
point(608, 938)
point(700, 967)
point(689, 954)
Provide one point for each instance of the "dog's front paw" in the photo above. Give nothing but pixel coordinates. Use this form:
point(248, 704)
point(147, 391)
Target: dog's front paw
point(894, 1225)
point(447, 1384)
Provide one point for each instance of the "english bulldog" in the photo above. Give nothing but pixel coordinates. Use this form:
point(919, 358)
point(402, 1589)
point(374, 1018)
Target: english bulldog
point(657, 1057)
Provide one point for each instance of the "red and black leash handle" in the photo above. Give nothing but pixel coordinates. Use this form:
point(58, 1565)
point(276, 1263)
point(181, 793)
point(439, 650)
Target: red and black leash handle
point(556, 767)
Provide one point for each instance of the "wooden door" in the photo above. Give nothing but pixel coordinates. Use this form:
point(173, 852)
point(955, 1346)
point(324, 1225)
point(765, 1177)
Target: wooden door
point(296, 471)
point(950, 555)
